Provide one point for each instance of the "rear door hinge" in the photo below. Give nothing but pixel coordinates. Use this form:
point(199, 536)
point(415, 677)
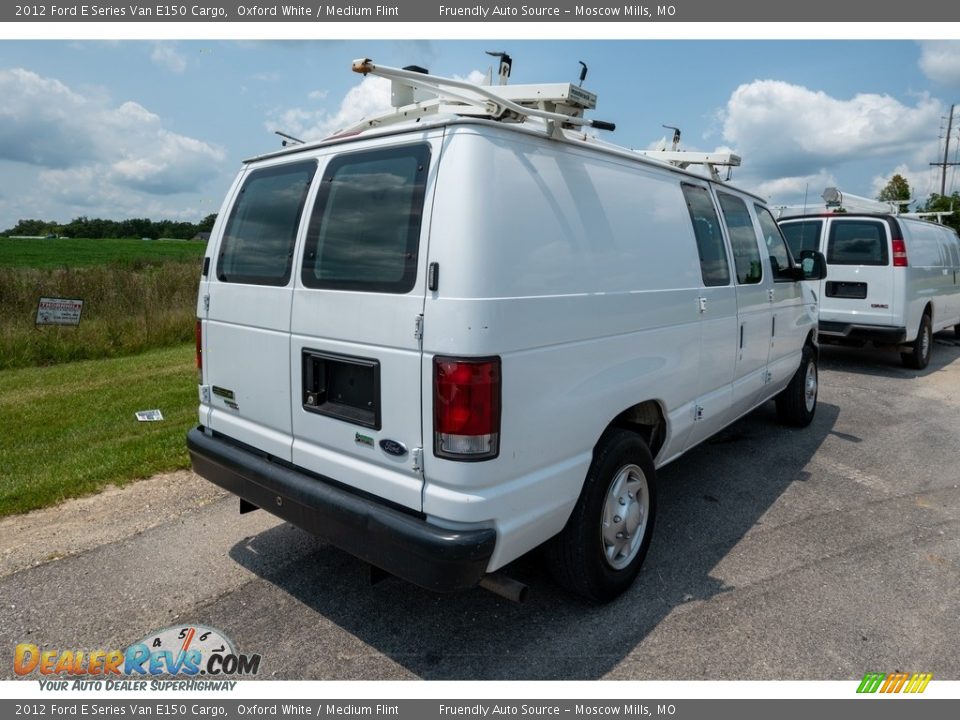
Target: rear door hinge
point(417, 456)
point(418, 328)
point(206, 303)
point(697, 413)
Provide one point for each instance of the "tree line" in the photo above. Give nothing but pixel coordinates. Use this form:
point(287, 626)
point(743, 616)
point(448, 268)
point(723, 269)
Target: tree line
point(899, 189)
point(84, 227)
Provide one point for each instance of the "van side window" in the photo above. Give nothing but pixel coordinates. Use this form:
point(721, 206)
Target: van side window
point(706, 227)
point(803, 235)
point(743, 239)
point(257, 245)
point(779, 253)
point(857, 242)
point(364, 233)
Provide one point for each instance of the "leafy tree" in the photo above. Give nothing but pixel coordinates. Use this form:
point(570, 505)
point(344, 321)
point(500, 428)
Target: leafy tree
point(945, 203)
point(897, 189)
point(206, 225)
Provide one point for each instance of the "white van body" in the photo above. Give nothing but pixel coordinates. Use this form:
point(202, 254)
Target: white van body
point(558, 275)
point(891, 280)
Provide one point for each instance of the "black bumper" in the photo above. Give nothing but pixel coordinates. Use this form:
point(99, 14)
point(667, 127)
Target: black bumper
point(403, 544)
point(838, 332)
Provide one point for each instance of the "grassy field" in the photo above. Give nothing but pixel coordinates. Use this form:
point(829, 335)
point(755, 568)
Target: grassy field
point(126, 310)
point(79, 252)
point(70, 429)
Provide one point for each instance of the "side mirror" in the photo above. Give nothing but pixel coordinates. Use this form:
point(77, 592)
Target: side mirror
point(813, 264)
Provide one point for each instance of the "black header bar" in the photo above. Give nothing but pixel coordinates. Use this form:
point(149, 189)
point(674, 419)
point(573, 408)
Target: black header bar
point(732, 11)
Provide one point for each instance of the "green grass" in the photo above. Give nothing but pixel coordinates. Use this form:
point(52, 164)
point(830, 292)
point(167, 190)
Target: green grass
point(82, 252)
point(126, 311)
point(69, 430)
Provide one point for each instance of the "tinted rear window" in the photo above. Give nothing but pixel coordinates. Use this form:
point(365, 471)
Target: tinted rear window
point(802, 235)
point(743, 239)
point(258, 242)
point(857, 242)
point(706, 228)
point(364, 233)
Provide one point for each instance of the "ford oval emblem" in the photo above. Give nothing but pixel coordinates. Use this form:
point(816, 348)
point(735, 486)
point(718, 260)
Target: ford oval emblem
point(392, 447)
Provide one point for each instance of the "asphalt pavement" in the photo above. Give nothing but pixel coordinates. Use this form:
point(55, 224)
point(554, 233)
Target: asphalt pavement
point(821, 553)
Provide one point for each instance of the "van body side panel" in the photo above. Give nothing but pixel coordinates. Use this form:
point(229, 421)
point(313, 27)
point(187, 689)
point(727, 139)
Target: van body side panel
point(581, 273)
point(929, 276)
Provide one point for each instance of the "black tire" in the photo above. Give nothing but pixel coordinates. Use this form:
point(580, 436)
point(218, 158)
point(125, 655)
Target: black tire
point(579, 557)
point(921, 348)
point(956, 331)
point(797, 403)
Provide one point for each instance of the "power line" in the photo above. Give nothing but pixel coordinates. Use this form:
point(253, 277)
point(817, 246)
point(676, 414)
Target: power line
point(946, 155)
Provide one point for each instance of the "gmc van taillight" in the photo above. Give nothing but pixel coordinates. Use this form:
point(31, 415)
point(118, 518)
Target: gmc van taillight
point(899, 253)
point(466, 408)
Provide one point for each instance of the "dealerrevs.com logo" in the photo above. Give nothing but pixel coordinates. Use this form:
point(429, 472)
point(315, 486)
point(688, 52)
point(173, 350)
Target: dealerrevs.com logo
point(178, 652)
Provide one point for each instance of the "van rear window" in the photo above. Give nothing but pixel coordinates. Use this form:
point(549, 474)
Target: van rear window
point(258, 242)
point(857, 242)
point(803, 235)
point(364, 233)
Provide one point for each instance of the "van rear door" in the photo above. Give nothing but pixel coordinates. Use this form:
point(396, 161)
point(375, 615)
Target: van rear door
point(859, 287)
point(356, 318)
point(246, 308)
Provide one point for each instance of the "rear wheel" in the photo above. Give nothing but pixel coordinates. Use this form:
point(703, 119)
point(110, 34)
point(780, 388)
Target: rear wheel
point(797, 403)
point(919, 356)
point(600, 550)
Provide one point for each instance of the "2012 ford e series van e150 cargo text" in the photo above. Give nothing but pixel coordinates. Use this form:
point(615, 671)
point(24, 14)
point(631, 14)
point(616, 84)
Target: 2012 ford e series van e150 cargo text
point(467, 328)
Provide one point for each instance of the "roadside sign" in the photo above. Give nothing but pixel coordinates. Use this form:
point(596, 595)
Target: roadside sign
point(59, 311)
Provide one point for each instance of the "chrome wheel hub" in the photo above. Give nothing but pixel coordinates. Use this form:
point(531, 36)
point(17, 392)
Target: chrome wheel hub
point(810, 387)
point(625, 513)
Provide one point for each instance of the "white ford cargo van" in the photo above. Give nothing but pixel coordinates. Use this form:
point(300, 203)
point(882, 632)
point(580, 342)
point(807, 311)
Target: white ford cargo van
point(890, 279)
point(465, 329)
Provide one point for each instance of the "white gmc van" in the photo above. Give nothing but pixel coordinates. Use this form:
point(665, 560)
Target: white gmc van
point(465, 329)
point(891, 280)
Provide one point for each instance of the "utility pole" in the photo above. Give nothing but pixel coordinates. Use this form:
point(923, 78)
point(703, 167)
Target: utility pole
point(946, 155)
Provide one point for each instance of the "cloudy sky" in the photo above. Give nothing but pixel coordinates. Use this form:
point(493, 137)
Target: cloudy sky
point(158, 128)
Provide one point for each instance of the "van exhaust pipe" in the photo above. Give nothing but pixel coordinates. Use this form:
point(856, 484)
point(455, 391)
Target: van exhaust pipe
point(512, 590)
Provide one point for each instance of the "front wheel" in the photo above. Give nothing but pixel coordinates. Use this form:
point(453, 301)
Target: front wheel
point(797, 403)
point(600, 550)
point(919, 356)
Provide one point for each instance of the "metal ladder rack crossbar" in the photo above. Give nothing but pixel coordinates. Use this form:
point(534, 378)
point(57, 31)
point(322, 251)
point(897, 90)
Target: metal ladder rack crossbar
point(481, 100)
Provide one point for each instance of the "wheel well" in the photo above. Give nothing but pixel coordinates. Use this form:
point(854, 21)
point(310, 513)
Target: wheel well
point(647, 420)
point(811, 343)
point(928, 310)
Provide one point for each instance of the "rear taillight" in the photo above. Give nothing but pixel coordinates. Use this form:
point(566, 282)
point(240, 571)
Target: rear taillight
point(899, 253)
point(466, 408)
point(198, 335)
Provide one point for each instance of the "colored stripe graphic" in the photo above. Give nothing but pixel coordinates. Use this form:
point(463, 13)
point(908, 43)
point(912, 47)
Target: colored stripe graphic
point(918, 683)
point(871, 682)
point(895, 682)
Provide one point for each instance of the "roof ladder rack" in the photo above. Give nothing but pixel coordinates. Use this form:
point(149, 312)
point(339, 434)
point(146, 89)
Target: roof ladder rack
point(417, 94)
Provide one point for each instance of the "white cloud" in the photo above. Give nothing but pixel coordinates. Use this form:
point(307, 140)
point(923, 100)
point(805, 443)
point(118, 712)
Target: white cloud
point(86, 152)
point(940, 61)
point(166, 56)
point(369, 98)
point(790, 136)
point(791, 130)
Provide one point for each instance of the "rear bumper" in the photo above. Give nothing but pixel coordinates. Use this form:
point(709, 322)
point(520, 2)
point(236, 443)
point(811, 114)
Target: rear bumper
point(840, 331)
point(404, 545)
